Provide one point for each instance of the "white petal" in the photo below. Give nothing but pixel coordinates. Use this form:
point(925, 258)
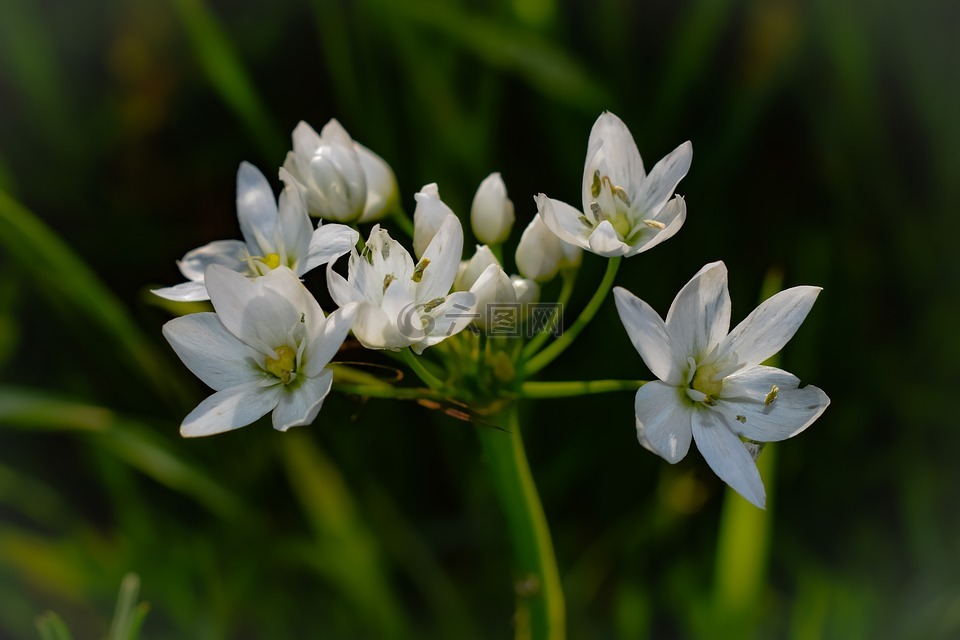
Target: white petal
point(299, 406)
point(527, 291)
point(663, 179)
point(771, 325)
point(444, 253)
point(493, 286)
point(451, 317)
point(428, 216)
point(672, 215)
point(340, 289)
point(539, 254)
point(606, 242)
point(663, 420)
point(260, 317)
point(376, 330)
point(333, 132)
point(305, 140)
point(387, 257)
point(294, 229)
point(256, 209)
point(211, 352)
point(382, 191)
point(230, 253)
point(699, 317)
point(327, 243)
point(469, 271)
point(613, 151)
point(564, 221)
point(766, 416)
point(648, 333)
point(325, 345)
point(727, 456)
point(183, 292)
point(230, 409)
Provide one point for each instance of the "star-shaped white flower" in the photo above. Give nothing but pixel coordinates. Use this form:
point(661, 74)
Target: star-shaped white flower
point(273, 236)
point(625, 210)
point(265, 349)
point(711, 384)
point(403, 304)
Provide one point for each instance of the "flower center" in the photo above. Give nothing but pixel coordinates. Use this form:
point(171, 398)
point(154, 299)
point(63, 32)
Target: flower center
point(272, 260)
point(707, 382)
point(612, 203)
point(284, 366)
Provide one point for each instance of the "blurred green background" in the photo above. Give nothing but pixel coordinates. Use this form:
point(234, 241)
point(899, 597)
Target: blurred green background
point(826, 146)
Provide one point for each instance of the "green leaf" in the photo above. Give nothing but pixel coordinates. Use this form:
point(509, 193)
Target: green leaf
point(52, 627)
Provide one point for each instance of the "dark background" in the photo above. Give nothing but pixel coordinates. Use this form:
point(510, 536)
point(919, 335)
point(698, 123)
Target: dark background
point(826, 146)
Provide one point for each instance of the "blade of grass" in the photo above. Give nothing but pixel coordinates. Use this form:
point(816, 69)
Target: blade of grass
point(52, 627)
point(125, 437)
point(63, 276)
point(223, 68)
point(124, 615)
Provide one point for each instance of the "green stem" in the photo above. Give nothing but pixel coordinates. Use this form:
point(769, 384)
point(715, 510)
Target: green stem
point(379, 391)
point(569, 277)
point(576, 388)
point(403, 220)
point(545, 357)
point(420, 369)
point(540, 605)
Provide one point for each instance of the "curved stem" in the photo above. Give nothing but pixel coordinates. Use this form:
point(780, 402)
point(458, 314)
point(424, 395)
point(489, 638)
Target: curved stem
point(576, 388)
point(566, 290)
point(540, 606)
point(545, 357)
point(380, 391)
point(403, 220)
point(421, 370)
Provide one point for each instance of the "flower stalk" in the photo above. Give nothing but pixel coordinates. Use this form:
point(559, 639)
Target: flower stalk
point(540, 613)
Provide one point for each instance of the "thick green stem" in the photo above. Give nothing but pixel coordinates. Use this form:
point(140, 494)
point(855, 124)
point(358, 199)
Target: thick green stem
point(421, 370)
point(540, 607)
point(576, 388)
point(545, 357)
point(381, 391)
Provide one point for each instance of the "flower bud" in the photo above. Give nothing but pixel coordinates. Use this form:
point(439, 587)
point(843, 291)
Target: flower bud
point(493, 286)
point(491, 215)
point(526, 290)
point(428, 216)
point(471, 269)
point(541, 254)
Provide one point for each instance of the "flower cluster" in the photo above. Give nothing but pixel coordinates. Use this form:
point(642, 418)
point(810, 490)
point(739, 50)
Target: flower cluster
point(266, 345)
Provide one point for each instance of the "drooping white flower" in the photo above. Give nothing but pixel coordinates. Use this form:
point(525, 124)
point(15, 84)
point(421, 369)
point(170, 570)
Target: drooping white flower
point(491, 215)
point(403, 304)
point(625, 210)
point(340, 179)
point(541, 253)
point(273, 236)
point(265, 349)
point(429, 214)
point(711, 384)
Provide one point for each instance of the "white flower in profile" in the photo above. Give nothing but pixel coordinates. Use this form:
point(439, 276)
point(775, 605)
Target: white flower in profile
point(403, 304)
point(541, 254)
point(265, 349)
point(483, 276)
point(340, 179)
point(625, 210)
point(273, 236)
point(711, 384)
point(491, 215)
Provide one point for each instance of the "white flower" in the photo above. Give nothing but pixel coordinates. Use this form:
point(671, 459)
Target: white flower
point(625, 210)
point(711, 384)
point(265, 349)
point(340, 179)
point(272, 236)
point(541, 253)
point(483, 276)
point(491, 214)
point(428, 215)
point(402, 304)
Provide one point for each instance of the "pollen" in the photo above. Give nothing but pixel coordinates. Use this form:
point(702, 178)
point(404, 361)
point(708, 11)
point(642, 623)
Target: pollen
point(419, 269)
point(285, 364)
point(655, 224)
point(272, 260)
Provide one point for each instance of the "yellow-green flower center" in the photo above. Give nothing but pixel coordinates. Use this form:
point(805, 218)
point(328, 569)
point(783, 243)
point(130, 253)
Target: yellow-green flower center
point(272, 260)
point(284, 365)
point(706, 381)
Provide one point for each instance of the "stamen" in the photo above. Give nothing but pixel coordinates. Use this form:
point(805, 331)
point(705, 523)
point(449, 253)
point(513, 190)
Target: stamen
point(655, 224)
point(433, 304)
point(774, 392)
point(387, 279)
point(595, 185)
point(284, 365)
point(418, 270)
point(621, 193)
